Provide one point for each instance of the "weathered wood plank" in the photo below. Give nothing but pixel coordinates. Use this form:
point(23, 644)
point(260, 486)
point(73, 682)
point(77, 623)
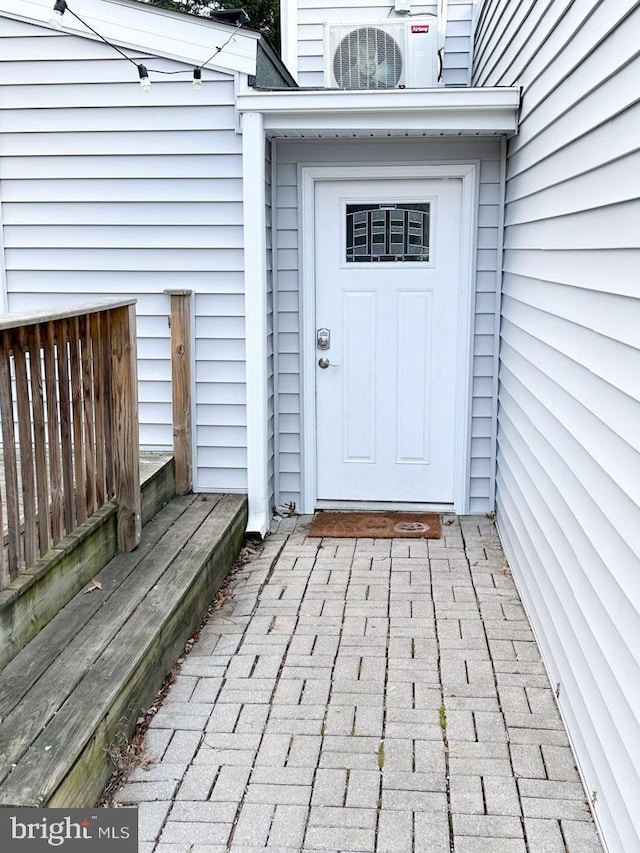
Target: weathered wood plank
point(5, 577)
point(86, 357)
point(181, 387)
point(53, 421)
point(23, 724)
point(61, 312)
point(9, 453)
point(125, 425)
point(108, 403)
point(114, 685)
point(21, 674)
point(19, 343)
point(98, 403)
point(75, 369)
point(66, 439)
point(39, 437)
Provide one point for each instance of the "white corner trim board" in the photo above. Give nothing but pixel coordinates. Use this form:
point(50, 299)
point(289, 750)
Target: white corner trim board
point(307, 180)
point(289, 29)
point(255, 293)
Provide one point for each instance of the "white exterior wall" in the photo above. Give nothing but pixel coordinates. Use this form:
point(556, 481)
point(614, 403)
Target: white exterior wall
point(120, 192)
point(568, 481)
point(313, 14)
point(289, 155)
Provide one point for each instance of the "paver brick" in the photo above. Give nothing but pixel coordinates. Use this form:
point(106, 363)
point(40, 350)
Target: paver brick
point(139, 792)
point(471, 844)
point(253, 825)
point(395, 832)
point(559, 762)
point(573, 809)
point(395, 780)
point(360, 818)
point(278, 794)
point(176, 832)
point(415, 800)
point(363, 789)
point(551, 789)
point(204, 812)
point(527, 761)
point(544, 836)
point(282, 775)
point(329, 788)
point(501, 796)
point(466, 795)
point(288, 827)
point(581, 837)
point(487, 826)
point(151, 817)
point(339, 839)
point(431, 832)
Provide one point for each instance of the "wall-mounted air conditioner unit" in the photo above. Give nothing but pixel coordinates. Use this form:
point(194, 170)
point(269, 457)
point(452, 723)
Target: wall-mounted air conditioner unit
point(384, 55)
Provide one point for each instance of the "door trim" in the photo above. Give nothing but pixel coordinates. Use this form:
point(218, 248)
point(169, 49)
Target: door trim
point(308, 176)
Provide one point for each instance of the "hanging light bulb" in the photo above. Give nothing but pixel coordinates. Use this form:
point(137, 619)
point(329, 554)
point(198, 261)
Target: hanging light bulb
point(197, 78)
point(144, 78)
point(59, 8)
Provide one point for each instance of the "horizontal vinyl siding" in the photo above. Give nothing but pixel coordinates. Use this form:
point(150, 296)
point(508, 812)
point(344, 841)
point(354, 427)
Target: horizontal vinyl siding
point(288, 298)
point(313, 14)
point(108, 190)
point(568, 466)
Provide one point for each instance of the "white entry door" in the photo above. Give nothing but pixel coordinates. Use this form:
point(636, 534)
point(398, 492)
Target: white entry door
point(387, 280)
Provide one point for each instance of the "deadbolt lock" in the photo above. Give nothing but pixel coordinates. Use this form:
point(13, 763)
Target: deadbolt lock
point(323, 339)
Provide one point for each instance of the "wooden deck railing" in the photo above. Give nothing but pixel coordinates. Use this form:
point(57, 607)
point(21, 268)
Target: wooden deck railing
point(69, 415)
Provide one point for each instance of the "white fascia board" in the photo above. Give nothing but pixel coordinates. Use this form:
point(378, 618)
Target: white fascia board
point(490, 110)
point(148, 29)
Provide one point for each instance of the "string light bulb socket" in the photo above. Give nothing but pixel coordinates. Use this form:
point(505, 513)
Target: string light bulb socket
point(197, 78)
point(59, 8)
point(144, 78)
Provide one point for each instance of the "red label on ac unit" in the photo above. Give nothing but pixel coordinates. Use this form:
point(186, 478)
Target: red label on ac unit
point(420, 28)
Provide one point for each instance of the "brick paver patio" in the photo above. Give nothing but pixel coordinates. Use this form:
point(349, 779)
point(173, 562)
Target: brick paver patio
point(382, 696)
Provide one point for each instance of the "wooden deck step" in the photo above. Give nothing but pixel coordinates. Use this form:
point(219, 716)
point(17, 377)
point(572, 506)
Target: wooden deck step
point(77, 688)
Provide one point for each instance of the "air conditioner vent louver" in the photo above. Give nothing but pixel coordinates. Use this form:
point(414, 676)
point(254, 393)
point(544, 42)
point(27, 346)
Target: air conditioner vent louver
point(368, 58)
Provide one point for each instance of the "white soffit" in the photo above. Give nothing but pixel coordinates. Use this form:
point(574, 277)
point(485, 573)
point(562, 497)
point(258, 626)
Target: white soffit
point(302, 112)
point(149, 29)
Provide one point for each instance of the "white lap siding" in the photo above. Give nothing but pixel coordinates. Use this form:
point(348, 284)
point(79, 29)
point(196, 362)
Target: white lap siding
point(107, 190)
point(289, 155)
point(568, 482)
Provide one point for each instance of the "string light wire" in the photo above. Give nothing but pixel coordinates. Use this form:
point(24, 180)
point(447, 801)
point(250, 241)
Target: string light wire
point(154, 70)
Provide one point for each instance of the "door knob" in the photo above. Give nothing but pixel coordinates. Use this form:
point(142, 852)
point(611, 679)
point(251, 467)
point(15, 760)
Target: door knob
point(324, 363)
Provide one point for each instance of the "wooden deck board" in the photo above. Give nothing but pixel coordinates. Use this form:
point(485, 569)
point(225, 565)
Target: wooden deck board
point(21, 674)
point(103, 687)
point(47, 695)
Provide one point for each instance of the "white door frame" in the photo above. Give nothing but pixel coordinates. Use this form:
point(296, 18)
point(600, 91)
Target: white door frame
point(307, 178)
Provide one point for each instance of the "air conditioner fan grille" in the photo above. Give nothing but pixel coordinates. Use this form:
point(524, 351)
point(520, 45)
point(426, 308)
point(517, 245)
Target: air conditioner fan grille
point(367, 58)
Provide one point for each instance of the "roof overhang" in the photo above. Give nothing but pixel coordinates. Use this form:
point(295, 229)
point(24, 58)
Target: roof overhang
point(406, 112)
point(150, 29)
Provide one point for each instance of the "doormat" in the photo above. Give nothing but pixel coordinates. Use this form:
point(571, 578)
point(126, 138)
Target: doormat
point(376, 525)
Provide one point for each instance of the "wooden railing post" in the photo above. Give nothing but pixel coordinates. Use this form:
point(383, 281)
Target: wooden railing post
point(126, 451)
point(180, 322)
